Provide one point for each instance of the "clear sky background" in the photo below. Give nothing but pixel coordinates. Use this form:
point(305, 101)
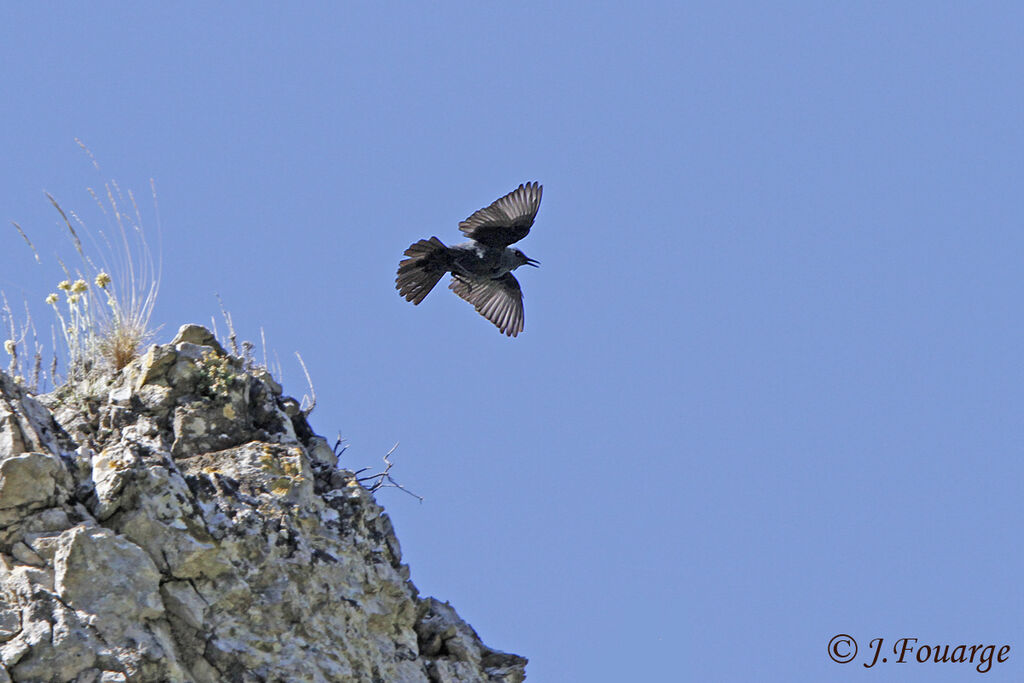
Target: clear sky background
point(770, 386)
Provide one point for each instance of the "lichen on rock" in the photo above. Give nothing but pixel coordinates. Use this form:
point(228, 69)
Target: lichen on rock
point(179, 521)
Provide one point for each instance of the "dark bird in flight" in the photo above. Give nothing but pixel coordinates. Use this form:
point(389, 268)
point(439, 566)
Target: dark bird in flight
point(482, 267)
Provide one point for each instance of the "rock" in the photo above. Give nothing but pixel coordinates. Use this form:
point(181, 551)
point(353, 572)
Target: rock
point(106, 575)
point(179, 521)
point(321, 453)
point(443, 635)
point(155, 364)
point(28, 480)
point(25, 424)
point(264, 376)
point(26, 555)
point(198, 335)
point(183, 602)
point(121, 395)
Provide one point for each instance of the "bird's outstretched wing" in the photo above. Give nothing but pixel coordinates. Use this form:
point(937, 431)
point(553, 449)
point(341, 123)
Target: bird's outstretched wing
point(507, 220)
point(500, 301)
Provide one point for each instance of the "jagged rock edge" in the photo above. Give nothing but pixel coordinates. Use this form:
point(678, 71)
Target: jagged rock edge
point(180, 521)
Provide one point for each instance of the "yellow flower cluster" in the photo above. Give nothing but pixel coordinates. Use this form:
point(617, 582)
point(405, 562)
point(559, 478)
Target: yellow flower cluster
point(102, 280)
point(9, 347)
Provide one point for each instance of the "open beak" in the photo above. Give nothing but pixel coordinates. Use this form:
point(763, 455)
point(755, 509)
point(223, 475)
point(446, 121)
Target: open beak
point(532, 262)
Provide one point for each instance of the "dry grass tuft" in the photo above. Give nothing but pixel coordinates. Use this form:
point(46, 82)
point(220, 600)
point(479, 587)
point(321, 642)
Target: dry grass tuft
point(106, 302)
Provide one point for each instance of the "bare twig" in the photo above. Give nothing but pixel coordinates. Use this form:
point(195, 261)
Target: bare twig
point(340, 444)
point(53, 366)
point(381, 477)
point(277, 371)
point(232, 337)
point(312, 392)
point(37, 358)
point(263, 342)
point(10, 344)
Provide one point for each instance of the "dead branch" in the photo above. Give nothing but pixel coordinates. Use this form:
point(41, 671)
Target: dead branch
point(382, 477)
point(312, 391)
point(232, 337)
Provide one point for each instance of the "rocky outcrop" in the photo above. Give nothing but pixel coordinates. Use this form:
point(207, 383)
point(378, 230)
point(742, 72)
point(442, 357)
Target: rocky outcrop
point(179, 521)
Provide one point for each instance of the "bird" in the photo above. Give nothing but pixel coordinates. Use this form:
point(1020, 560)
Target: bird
point(482, 267)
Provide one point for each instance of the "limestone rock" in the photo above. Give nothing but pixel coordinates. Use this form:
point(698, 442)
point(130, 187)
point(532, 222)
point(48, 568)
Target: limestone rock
point(179, 521)
point(29, 480)
point(198, 335)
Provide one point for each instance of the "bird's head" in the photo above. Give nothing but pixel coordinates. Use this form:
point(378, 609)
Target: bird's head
point(521, 259)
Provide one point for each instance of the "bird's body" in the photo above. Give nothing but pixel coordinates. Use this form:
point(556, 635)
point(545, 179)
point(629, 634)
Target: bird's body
point(472, 259)
point(482, 267)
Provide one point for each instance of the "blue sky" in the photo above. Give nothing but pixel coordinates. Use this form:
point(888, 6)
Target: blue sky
point(770, 386)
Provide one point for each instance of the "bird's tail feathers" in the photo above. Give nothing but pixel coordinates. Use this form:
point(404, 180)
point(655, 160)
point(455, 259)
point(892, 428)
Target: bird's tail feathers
point(427, 262)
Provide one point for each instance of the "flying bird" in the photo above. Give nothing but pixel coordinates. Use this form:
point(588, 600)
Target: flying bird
point(482, 267)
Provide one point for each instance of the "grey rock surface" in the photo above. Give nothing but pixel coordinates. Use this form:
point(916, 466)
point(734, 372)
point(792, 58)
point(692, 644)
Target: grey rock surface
point(179, 521)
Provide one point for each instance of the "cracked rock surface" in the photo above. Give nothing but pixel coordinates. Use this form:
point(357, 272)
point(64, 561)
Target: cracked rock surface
point(179, 521)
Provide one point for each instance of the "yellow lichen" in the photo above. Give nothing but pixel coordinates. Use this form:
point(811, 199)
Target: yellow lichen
point(285, 468)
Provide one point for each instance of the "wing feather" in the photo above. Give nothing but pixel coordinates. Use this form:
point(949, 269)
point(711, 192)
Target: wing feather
point(506, 220)
point(500, 300)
